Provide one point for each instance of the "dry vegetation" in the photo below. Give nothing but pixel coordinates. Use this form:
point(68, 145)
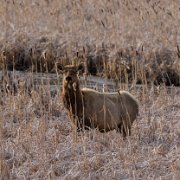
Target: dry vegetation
point(37, 140)
point(144, 34)
point(128, 41)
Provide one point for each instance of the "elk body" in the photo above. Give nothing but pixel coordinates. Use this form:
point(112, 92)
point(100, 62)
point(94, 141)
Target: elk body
point(92, 109)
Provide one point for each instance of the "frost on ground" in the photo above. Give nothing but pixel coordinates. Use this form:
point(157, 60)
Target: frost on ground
point(38, 141)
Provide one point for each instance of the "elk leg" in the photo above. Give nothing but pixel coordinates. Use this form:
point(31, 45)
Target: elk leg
point(119, 129)
point(124, 132)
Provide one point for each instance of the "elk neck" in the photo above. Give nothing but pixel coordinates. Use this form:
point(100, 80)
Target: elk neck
point(73, 99)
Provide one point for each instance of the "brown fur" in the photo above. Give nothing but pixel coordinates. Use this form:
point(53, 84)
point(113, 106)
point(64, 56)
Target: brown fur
point(92, 109)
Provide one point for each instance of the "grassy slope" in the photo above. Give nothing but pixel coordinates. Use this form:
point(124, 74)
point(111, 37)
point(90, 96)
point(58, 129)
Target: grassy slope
point(154, 24)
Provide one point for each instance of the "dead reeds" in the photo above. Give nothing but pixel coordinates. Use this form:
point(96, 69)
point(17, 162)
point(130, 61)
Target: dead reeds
point(37, 35)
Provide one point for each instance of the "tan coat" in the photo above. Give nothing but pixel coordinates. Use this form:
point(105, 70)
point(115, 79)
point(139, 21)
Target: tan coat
point(109, 111)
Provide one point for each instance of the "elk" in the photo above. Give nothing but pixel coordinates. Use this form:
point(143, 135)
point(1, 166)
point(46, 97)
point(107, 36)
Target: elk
point(88, 108)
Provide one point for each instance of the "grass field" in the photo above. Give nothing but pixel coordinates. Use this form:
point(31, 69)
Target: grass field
point(37, 140)
point(143, 34)
point(130, 42)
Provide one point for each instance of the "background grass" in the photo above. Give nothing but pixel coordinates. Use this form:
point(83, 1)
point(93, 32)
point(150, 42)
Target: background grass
point(144, 34)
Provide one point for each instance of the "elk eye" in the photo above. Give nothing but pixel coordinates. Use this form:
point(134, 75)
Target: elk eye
point(68, 78)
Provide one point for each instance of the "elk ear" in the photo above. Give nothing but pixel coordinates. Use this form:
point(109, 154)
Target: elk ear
point(59, 68)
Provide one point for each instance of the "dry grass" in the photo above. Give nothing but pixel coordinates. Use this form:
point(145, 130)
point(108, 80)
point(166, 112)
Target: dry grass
point(36, 34)
point(37, 140)
point(36, 137)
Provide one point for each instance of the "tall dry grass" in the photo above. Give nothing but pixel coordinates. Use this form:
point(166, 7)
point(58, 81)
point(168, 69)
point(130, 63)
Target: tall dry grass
point(37, 140)
point(128, 41)
point(36, 34)
point(153, 24)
